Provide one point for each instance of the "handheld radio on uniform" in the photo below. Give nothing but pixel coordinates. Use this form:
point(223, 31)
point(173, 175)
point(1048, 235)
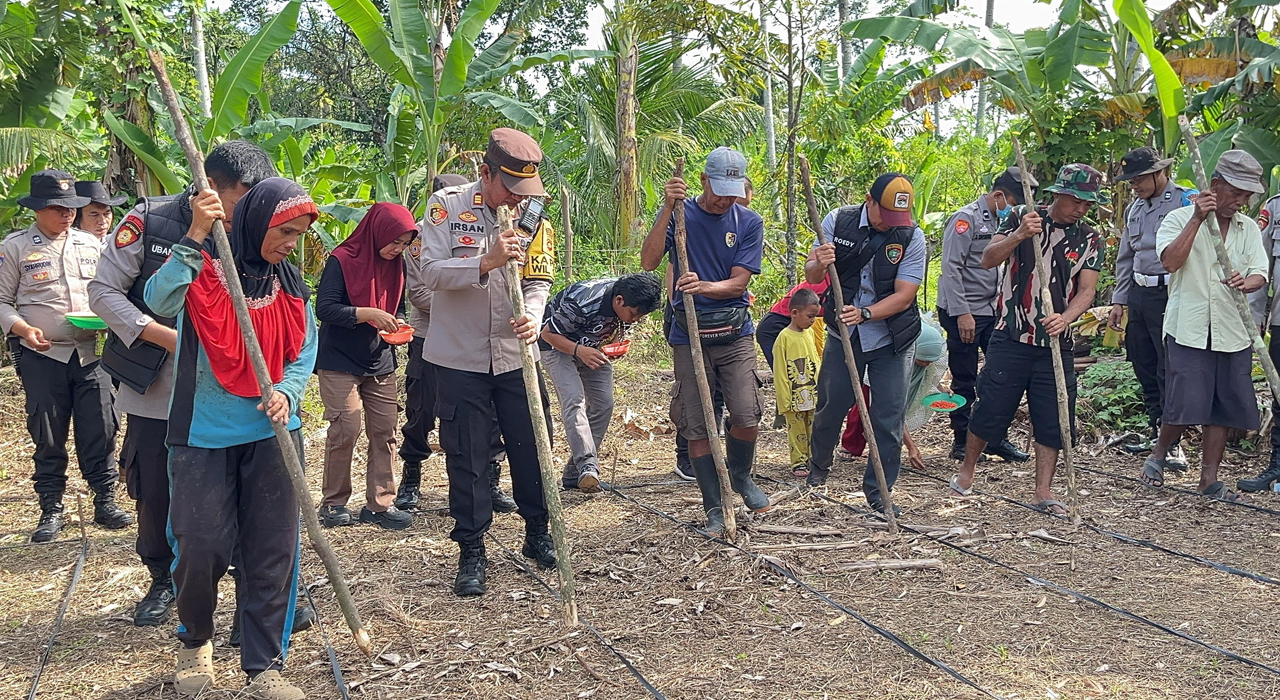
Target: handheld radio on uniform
point(532, 215)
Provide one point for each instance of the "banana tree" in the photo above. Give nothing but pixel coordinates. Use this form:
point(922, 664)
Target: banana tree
point(438, 71)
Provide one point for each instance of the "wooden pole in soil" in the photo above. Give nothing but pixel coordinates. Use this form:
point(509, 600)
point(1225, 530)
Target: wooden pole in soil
point(873, 450)
point(1224, 261)
point(550, 480)
point(700, 375)
point(1059, 372)
point(292, 463)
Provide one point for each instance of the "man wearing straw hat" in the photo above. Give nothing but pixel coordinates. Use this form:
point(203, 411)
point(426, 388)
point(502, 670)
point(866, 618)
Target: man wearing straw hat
point(1209, 361)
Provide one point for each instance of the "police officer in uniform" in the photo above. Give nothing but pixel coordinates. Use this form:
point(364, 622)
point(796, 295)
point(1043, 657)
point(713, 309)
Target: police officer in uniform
point(474, 343)
point(967, 299)
point(44, 274)
point(1269, 224)
point(1142, 283)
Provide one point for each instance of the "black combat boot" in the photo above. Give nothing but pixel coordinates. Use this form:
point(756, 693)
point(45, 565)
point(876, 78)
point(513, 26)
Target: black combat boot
point(709, 484)
point(105, 510)
point(1007, 451)
point(410, 481)
point(959, 445)
point(472, 564)
point(1263, 481)
point(740, 455)
point(502, 503)
point(537, 543)
point(50, 518)
point(154, 608)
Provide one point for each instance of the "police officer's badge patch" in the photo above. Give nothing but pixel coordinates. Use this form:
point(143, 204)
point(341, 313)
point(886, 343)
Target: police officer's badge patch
point(962, 226)
point(1168, 196)
point(415, 250)
point(893, 253)
point(477, 200)
point(40, 276)
point(437, 214)
point(36, 239)
point(730, 239)
point(129, 232)
point(468, 217)
point(1, 260)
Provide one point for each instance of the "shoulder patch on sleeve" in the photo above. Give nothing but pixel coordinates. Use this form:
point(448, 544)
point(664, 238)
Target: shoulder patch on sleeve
point(416, 249)
point(130, 231)
point(1264, 218)
point(1, 259)
point(437, 213)
point(962, 226)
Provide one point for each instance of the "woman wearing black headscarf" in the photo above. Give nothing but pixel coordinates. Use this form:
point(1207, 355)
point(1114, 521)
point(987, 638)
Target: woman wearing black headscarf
point(229, 484)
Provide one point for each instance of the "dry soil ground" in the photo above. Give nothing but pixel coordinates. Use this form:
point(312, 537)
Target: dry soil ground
point(700, 620)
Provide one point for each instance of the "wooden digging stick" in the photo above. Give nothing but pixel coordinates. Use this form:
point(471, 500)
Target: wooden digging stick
point(292, 462)
point(873, 450)
point(700, 375)
point(1224, 261)
point(550, 480)
point(1059, 372)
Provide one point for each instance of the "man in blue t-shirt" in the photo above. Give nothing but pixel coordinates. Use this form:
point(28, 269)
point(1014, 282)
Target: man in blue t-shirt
point(725, 242)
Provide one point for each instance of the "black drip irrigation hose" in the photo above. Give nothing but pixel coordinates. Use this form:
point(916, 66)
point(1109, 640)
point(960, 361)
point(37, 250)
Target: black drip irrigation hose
point(66, 601)
point(328, 647)
point(1036, 580)
point(900, 642)
point(1178, 489)
point(604, 641)
point(1119, 536)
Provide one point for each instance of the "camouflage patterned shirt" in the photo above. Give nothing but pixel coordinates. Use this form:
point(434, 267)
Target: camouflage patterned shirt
point(1069, 250)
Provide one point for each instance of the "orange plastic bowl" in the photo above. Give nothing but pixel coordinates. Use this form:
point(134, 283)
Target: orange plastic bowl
point(401, 336)
point(615, 350)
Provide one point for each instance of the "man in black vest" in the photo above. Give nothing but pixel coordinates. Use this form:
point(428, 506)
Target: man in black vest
point(137, 352)
point(879, 254)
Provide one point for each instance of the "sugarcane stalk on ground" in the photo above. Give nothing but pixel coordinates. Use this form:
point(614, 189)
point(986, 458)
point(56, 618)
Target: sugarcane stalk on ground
point(292, 462)
point(550, 481)
point(1224, 261)
point(1059, 372)
point(873, 450)
point(700, 375)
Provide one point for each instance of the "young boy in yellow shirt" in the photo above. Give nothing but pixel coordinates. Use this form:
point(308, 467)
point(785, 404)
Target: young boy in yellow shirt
point(795, 376)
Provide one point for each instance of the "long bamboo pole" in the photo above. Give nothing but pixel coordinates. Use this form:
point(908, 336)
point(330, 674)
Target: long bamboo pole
point(873, 450)
point(292, 463)
point(550, 480)
point(1059, 372)
point(1224, 261)
point(700, 375)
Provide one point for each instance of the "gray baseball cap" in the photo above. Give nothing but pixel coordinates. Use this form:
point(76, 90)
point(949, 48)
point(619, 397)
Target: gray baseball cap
point(726, 169)
point(1241, 170)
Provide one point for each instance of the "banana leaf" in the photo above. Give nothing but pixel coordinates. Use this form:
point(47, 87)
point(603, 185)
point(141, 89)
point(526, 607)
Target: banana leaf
point(242, 78)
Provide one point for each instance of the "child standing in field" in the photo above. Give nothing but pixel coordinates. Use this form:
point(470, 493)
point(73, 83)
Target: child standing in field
point(795, 376)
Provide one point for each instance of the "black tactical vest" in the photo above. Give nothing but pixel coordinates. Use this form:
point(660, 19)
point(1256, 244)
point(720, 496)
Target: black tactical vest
point(849, 239)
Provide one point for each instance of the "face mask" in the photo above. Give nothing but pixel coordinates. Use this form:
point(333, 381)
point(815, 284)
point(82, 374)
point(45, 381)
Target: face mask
point(1003, 213)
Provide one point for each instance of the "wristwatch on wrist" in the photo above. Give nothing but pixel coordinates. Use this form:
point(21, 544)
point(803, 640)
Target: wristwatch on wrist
point(866, 313)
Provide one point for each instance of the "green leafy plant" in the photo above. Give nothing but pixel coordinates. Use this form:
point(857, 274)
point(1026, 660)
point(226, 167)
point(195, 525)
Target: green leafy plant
point(1110, 398)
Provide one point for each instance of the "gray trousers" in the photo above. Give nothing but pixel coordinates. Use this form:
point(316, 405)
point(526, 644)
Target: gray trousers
point(586, 406)
point(887, 376)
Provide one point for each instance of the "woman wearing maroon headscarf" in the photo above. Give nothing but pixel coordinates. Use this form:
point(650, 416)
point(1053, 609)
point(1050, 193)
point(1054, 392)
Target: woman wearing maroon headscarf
point(361, 292)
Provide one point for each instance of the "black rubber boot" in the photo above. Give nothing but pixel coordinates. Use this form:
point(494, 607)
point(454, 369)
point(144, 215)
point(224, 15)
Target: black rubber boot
point(472, 565)
point(502, 503)
point(1263, 481)
point(538, 545)
point(1005, 450)
point(740, 456)
point(709, 485)
point(154, 608)
point(959, 444)
point(50, 518)
point(410, 481)
point(105, 510)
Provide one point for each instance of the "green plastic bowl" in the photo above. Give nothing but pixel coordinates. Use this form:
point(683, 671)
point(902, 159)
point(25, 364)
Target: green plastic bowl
point(956, 399)
point(88, 322)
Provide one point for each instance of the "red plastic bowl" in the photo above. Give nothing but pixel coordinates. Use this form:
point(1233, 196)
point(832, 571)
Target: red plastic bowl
point(401, 336)
point(615, 350)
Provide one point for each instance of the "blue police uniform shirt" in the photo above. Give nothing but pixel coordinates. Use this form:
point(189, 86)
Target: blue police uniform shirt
point(716, 244)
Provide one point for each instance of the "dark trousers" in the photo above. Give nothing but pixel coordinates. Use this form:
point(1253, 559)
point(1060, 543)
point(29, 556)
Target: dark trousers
point(57, 392)
point(767, 332)
point(1016, 369)
point(419, 405)
point(466, 415)
point(1144, 345)
point(233, 497)
point(962, 360)
point(1273, 349)
point(144, 458)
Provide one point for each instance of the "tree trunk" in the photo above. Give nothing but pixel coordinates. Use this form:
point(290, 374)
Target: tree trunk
point(625, 116)
point(770, 132)
point(846, 48)
point(201, 65)
point(794, 67)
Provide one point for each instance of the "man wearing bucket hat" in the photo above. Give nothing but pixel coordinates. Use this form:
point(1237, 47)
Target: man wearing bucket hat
point(879, 254)
point(1142, 283)
point(1208, 360)
point(725, 245)
point(1019, 360)
point(96, 216)
point(1269, 223)
point(967, 294)
point(473, 342)
point(44, 275)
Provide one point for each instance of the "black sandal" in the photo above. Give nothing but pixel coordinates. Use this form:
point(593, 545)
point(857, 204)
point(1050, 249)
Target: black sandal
point(1219, 491)
point(1153, 472)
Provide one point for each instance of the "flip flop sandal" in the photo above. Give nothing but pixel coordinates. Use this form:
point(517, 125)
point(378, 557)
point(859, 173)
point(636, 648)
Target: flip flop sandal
point(800, 471)
point(1219, 491)
point(1049, 505)
point(955, 486)
point(1153, 472)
